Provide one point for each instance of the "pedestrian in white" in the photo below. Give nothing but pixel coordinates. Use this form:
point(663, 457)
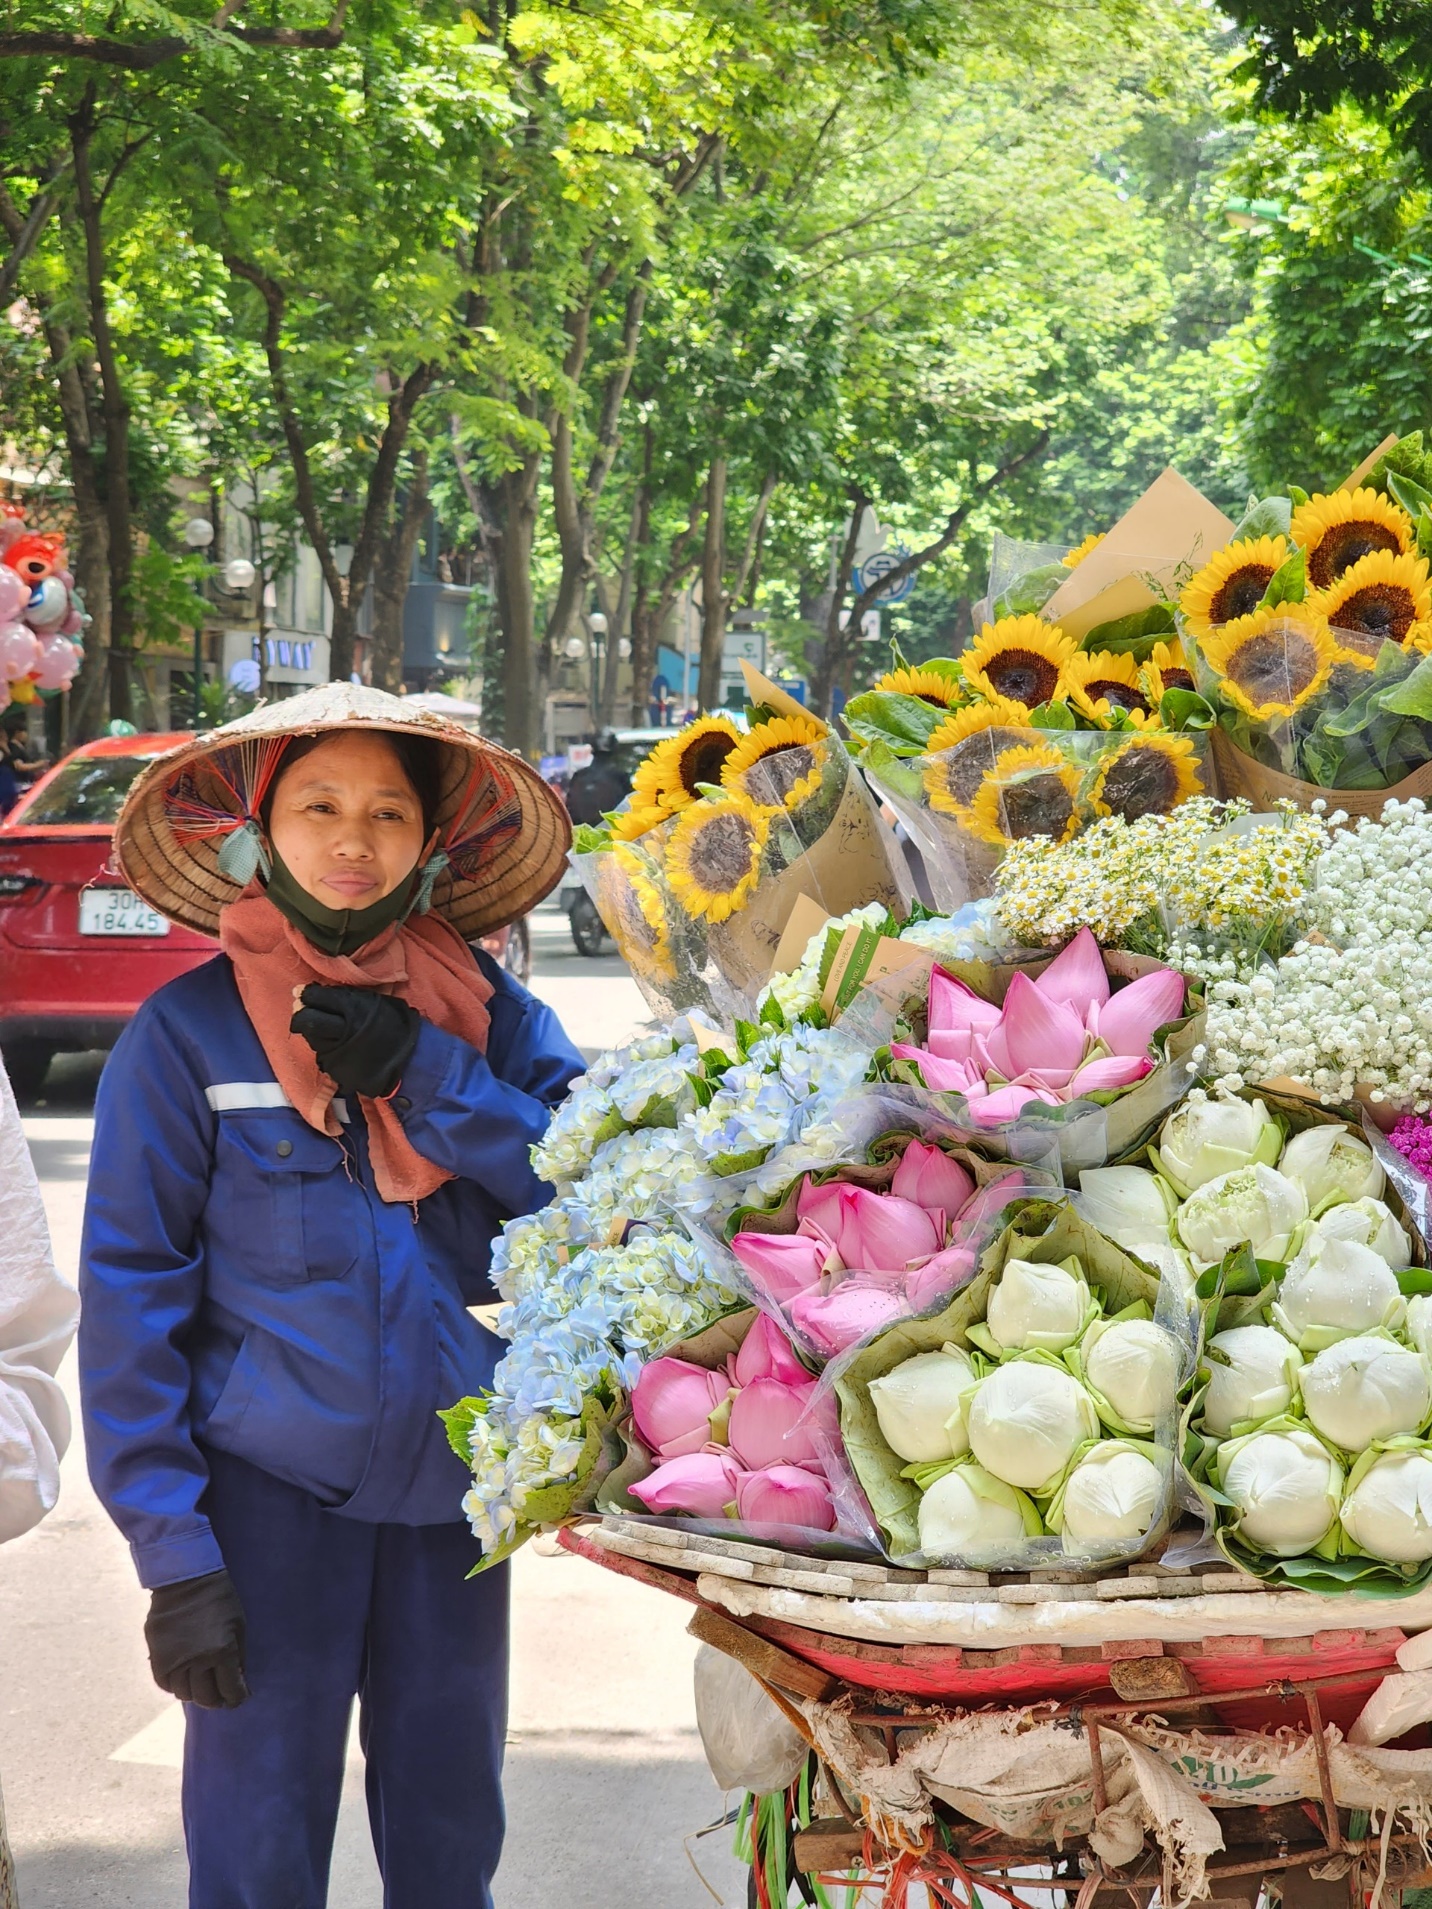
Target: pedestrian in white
point(38, 1311)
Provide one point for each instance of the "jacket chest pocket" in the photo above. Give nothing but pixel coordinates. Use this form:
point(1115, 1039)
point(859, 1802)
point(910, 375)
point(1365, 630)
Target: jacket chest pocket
point(293, 1213)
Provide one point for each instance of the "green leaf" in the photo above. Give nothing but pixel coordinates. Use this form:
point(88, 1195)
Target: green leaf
point(1031, 591)
point(1414, 1279)
point(1185, 709)
point(588, 840)
point(1413, 497)
point(1297, 496)
point(904, 723)
point(1053, 716)
point(1265, 517)
point(1139, 631)
point(1288, 583)
point(460, 1420)
point(1412, 696)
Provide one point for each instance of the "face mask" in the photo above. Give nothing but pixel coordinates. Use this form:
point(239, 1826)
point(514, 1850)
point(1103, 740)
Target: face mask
point(340, 931)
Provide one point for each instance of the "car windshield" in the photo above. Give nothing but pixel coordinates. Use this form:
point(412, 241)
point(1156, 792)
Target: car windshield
point(87, 789)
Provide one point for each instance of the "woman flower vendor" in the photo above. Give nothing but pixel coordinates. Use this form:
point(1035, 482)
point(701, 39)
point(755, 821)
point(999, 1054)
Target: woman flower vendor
point(302, 1153)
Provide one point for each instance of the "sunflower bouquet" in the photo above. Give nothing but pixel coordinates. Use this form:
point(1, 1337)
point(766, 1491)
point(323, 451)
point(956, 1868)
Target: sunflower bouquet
point(1311, 636)
point(731, 821)
point(1029, 735)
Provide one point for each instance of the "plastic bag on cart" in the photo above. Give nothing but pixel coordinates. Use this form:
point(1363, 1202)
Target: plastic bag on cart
point(749, 1744)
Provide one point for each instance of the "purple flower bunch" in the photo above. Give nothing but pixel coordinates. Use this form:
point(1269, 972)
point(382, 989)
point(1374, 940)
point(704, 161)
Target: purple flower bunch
point(1412, 1137)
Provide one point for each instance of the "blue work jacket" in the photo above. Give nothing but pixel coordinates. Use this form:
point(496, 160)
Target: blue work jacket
point(244, 1286)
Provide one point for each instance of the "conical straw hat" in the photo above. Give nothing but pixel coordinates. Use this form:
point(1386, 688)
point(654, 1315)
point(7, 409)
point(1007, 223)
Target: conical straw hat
point(505, 833)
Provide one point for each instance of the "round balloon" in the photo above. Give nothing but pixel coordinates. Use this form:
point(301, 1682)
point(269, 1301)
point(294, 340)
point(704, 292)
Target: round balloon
point(14, 595)
point(57, 663)
point(49, 604)
point(19, 651)
point(74, 621)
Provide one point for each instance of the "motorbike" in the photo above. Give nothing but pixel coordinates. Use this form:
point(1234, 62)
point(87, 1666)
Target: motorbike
point(589, 935)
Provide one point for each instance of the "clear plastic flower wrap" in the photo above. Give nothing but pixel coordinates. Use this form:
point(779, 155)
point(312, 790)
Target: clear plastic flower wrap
point(697, 896)
point(1006, 782)
point(840, 1253)
point(1063, 1447)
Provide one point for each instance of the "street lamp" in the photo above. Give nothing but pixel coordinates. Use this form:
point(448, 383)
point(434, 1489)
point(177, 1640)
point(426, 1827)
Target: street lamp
point(598, 624)
point(198, 534)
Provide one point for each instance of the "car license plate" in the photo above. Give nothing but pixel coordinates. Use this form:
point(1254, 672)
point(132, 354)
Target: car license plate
point(118, 911)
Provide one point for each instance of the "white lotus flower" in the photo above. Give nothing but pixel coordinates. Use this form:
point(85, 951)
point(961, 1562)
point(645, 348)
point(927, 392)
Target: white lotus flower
point(1257, 1383)
point(1113, 1492)
point(969, 1514)
point(1204, 1139)
point(1331, 1164)
point(1388, 1512)
point(1364, 1390)
point(1253, 1206)
point(1286, 1487)
point(1026, 1421)
point(1129, 1205)
point(1369, 1223)
point(1419, 1323)
point(1034, 1307)
point(918, 1405)
point(1134, 1366)
point(1333, 1288)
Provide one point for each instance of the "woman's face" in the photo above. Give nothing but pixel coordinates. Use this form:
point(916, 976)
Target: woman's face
point(347, 822)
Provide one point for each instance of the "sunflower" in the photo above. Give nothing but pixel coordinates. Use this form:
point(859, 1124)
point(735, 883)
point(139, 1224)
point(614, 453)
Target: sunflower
point(668, 778)
point(637, 914)
point(928, 684)
point(1231, 584)
point(631, 823)
point(1021, 658)
point(1148, 775)
point(1030, 790)
point(1101, 682)
point(1166, 669)
point(713, 860)
point(1271, 662)
point(953, 777)
point(1073, 558)
point(779, 764)
point(1339, 530)
point(1379, 599)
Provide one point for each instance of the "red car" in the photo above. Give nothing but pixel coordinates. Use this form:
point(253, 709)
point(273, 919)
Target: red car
point(78, 950)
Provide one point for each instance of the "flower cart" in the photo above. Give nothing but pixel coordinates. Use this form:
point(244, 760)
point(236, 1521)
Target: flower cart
point(996, 1318)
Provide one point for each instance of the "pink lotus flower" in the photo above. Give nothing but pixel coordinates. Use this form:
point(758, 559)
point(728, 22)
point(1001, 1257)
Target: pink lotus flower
point(818, 1208)
point(784, 1495)
point(1007, 1103)
point(703, 1484)
point(672, 1403)
point(990, 1201)
point(1039, 1032)
point(780, 1264)
point(953, 1005)
point(1076, 976)
point(1112, 1071)
point(1128, 1020)
point(929, 1177)
point(938, 1277)
point(833, 1321)
point(940, 1076)
point(766, 1424)
point(884, 1233)
point(766, 1353)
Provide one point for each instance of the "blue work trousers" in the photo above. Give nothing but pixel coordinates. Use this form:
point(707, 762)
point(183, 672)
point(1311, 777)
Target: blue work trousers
point(336, 1609)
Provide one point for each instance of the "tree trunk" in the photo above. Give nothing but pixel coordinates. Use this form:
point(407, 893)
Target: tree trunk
point(115, 411)
point(391, 575)
point(510, 505)
point(832, 658)
point(713, 589)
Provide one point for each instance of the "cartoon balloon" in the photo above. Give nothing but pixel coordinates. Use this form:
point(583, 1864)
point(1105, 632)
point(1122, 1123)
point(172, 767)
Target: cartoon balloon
point(19, 651)
point(57, 663)
point(24, 692)
point(14, 595)
point(74, 621)
point(36, 557)
point(49, 605)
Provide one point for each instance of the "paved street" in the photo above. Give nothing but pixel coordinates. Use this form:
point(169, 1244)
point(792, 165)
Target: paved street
point(607, 1784)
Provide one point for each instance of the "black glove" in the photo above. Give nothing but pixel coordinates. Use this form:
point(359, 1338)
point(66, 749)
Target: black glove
point(363, 1040)
point(195, 1634)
